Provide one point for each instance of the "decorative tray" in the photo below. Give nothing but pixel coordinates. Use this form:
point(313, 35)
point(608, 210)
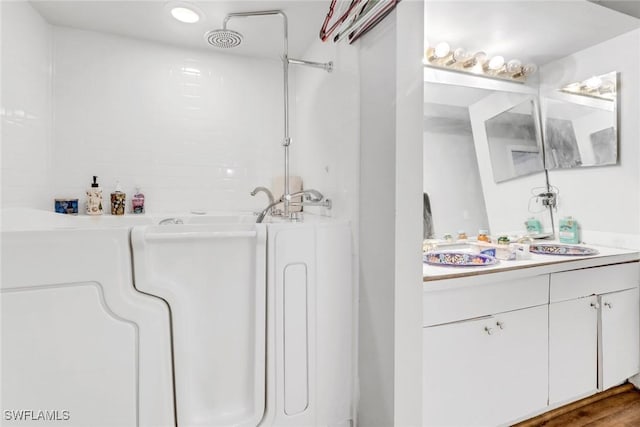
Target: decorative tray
point(458, 259)
point(553, 249)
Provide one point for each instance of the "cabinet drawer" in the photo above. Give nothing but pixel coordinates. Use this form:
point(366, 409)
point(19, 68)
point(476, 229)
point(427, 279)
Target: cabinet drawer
point(592, 281)
point(467, 303)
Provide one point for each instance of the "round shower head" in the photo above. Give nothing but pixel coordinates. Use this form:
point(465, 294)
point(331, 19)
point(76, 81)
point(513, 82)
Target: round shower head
point(224, 38)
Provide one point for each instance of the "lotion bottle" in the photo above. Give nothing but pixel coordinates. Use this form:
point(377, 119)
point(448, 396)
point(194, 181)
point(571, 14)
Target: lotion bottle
point(118, 198)
point(137, 202)
point(94, 198)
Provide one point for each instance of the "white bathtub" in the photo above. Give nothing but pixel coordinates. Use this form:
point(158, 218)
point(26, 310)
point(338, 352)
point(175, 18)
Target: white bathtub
point(252, 323)
point(77, 338)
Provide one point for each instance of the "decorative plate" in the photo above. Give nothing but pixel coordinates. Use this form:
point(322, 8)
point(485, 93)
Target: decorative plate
point(553, 249)
point(458, 259)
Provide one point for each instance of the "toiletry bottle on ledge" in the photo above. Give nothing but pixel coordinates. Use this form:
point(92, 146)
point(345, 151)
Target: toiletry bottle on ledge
point(569, 230)
point(533, 226)
point(118, 198)
point(94, 198)
point(483, 236)
point(137, 202)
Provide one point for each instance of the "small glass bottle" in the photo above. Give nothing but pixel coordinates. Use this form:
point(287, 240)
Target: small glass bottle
point(462, 235)
point(503, 240)
point(483, 236)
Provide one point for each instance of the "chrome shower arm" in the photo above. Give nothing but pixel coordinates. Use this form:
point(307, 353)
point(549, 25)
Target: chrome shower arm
point(280, 13)
point(327, 66)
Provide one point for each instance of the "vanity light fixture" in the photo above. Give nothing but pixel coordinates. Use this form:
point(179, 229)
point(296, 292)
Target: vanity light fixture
point(602, 87)
point(440, 56)
point(184, 12)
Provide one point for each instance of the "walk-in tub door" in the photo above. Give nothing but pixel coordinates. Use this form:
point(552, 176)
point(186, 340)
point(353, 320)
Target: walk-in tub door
point(213, 277)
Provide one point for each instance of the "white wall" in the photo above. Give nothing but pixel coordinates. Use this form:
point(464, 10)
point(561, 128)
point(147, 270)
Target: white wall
point(604, 200)
point(325, 146)
point(390, 334)
point(377, 225)
point(195, 130)
point(26, 106)
point(326, 126)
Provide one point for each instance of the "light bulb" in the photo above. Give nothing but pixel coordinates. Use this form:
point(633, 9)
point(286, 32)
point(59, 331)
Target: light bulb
point(478, 58)
point(514, 66)
point(461, 55)
point(496, 63)
point(441, 50)
point(593, 83)
point(607, 87)
point(529, 69)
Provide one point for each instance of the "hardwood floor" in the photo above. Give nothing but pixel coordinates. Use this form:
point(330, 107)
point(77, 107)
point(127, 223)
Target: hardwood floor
point(619, 406)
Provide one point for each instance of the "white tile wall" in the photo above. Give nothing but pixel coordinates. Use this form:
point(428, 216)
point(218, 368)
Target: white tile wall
point(25, 106)
point(196, 130)
point(325, 145)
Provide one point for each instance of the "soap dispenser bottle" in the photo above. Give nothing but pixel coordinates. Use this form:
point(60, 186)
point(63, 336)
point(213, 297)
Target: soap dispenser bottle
point(533, 226)
point(118, 198)
point(137, 202)
point(94, 198)
point(569, 230)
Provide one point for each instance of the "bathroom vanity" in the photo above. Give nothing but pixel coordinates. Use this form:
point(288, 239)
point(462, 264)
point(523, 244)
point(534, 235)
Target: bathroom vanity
point(507, 342)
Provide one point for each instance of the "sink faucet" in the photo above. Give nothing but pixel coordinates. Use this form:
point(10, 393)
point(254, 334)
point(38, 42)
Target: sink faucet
point(311, 198)
point(264, 190)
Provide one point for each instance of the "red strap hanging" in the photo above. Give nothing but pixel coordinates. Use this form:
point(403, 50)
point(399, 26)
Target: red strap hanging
point(324, 32)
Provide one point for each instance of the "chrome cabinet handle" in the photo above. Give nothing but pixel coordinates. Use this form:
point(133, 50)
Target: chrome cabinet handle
point(500, 325)
point(488, 330)
point(608, 304)
point(595, 305)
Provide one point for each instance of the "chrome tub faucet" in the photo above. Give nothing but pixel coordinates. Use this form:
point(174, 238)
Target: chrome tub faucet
point(310, 198)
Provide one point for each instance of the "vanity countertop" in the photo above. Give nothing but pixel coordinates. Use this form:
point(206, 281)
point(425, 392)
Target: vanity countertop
point(437, 277)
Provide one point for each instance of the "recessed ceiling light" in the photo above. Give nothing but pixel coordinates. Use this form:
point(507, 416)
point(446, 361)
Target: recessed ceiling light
point(184, 12)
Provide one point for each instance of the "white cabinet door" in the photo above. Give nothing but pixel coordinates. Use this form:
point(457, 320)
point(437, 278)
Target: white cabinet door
point(521, 378)
point(487, 371)
point(620, 337)
point(573, 349)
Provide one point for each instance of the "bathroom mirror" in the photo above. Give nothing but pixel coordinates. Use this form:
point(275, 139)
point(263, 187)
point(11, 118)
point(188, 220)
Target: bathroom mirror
point(514, 142)
point(458, 176)
point(451, 171)
point(580, 123)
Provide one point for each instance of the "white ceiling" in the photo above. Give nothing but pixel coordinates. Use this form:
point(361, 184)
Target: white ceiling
point(630, 7)
point(535, 31)
point(150, 20)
